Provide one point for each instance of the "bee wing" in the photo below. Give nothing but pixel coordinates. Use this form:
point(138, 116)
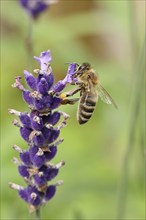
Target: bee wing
point(105, 97)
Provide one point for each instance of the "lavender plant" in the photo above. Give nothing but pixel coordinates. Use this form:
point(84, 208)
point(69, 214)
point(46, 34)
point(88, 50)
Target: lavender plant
point(35, 7)
point(40, 128)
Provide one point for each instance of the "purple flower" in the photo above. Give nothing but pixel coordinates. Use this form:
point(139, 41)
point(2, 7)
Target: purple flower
point(40, 128)
point(68, 79)
point(36, 198)
point(44, 59)
point(36, 7)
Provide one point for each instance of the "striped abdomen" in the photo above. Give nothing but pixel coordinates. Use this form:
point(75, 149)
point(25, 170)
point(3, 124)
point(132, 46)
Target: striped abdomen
point(86, 106)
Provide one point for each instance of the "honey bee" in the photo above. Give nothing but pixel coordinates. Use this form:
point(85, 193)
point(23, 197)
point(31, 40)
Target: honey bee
point(90, 90)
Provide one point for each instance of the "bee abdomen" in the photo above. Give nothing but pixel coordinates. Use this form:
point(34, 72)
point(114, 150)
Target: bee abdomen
point(85, 111)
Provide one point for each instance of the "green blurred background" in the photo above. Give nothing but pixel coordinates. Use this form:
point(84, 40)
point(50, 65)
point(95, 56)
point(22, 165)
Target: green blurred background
point(104, 171)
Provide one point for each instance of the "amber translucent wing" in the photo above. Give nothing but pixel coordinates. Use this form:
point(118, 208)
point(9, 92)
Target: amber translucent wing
point(105, 97)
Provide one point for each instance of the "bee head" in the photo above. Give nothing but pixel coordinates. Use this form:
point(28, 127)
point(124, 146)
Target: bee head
point(81, 70)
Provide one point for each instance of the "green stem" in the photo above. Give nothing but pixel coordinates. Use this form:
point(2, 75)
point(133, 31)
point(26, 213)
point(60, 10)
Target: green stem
point(29, 43)
point(139, 73)
point(38, 215)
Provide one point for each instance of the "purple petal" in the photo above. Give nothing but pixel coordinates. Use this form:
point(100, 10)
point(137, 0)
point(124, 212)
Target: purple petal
point(70, 72)
point(43, 168)
point(56, 102)
point(31, 189)
point(39, 104)
point(44, 59)
point(23, 194)
point(48, 76)
point(54, 118)
point(50, 79)
point(51, 173)
point(49, 155)
point(48, 100)
point(34, 199)
point(32, 152)
point(24, 3)
point(25, 158)
point(33, 7)
point(46, 133)
point(38, 161)
point(46, 118)
point(25, 133)
point(40, 180)
point(33, 113)
point(43, 86)
point(30, 79)
point(23, 171)
point(25, 119)
point(58, 87)
point(37, 123)
point(27, 98)
point(38, 140)
point(50, 192)
point(54, 135)
point(33, 195)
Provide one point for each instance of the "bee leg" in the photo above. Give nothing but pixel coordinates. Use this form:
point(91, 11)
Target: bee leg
point(72, 92)
point(77, 83)
point(64, 96)
point(69, 101)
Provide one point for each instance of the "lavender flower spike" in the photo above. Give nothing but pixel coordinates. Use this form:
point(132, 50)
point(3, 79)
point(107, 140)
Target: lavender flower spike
point(36, 7)
point(44, 61)
point(40, 128)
